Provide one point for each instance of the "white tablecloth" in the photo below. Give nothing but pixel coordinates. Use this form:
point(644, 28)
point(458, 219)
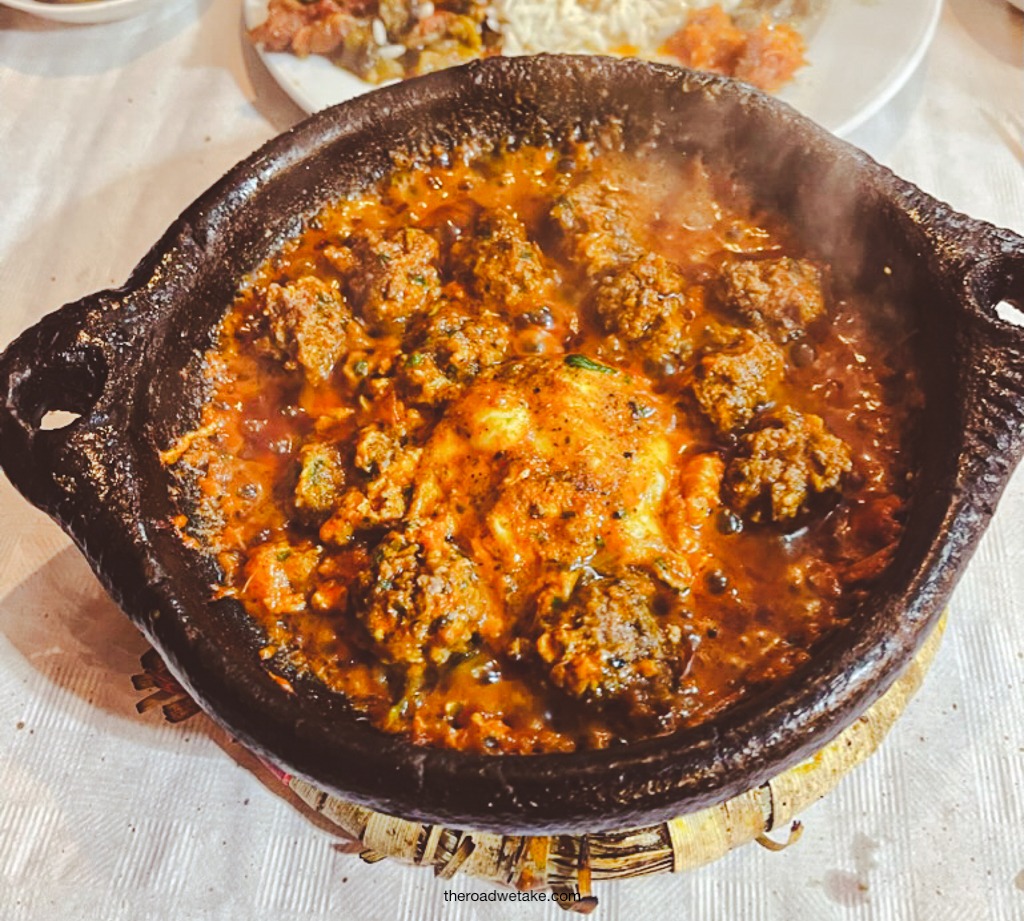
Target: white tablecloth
point(106, 133)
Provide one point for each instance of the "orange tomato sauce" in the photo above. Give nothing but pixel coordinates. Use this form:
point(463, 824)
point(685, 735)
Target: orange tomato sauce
point(548, 449)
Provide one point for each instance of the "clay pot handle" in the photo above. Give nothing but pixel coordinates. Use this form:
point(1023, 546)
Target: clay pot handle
point(60, 387)
point(991, 346)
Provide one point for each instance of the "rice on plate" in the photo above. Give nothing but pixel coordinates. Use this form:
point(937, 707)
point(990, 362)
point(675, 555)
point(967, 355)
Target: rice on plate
point(384, 40)
point(594, 26)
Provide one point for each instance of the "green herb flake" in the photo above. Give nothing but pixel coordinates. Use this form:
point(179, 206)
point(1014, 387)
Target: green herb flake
point(588, 364)
point(283, 555)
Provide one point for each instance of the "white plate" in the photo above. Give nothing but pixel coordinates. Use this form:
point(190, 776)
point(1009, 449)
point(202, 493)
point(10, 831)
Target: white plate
point(859, 55)
point(862, 52)
point(89, 11)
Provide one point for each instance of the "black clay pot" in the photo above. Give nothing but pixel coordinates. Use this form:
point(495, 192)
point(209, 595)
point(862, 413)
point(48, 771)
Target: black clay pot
point(127, 361)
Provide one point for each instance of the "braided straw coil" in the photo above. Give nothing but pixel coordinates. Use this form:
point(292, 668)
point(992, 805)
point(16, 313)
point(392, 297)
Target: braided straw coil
point(567, 865)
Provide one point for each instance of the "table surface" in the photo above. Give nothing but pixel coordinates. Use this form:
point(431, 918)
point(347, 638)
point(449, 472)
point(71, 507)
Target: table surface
point(106, 133)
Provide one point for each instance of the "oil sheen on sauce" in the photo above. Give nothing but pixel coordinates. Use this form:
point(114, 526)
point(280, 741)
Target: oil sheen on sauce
point(547, 449)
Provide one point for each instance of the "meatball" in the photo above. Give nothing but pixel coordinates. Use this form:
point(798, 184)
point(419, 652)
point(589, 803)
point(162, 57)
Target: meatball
point(732, 384)
point(778, 296)
point(321, 479)
point(597, 226)
point(781, 464)
point(423, 382)
point(382, 499)
point(422, 605)
point(399, 278)
point(451, 347)
point(505, 269)
point(464, 343)
point(310, 325)
point(605, 643)
point(645, 302)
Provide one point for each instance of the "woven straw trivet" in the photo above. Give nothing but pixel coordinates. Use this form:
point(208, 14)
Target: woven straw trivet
point(567, 865)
